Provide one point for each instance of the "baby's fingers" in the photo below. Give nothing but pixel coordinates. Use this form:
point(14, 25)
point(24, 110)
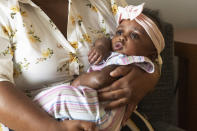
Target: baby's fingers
point(91, 53)
point(98, 60)
point(94, 58)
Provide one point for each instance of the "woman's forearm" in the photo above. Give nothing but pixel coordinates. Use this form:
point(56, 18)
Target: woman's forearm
point(96, 79)
point(18, 112)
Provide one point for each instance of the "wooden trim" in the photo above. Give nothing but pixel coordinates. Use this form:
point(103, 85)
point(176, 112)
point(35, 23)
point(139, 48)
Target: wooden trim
point(182, 83)
point(187, 84)
point(185, 50)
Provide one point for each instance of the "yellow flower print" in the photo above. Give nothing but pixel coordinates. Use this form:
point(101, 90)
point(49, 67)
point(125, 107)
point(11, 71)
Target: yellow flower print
point(16, 73)
point(47, 53)
point(26, 64)
point(23, 13)
point(59, 45)
point(18, 67)
point(114, 9)
point(6, 30)
point(100, 33)
point(94, 9)
point(12, 49)
point(81, 40)
point(52, 24)
point(103, 31)
point(15, 9)
point(79, 19)
point(5, 52)
point(74, 44)
point(32, 37)
point(9, 50)
point(81, 68)
point(64, 67)
point(87, 38)
point(73, 57)
point(72, 20)
point(1, 128)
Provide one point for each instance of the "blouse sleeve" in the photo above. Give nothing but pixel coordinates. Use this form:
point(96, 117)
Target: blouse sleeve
point(6, 52)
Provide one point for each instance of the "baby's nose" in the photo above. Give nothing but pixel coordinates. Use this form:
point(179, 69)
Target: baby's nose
point(122, 38)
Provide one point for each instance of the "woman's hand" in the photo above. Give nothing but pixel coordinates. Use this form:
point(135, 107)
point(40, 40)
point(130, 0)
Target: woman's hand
point(129, 89)
point(77, 125)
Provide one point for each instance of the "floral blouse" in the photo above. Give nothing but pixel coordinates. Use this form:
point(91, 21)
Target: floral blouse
point(35, 54)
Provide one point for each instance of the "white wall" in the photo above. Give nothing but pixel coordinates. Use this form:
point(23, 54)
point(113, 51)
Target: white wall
point(181, 13)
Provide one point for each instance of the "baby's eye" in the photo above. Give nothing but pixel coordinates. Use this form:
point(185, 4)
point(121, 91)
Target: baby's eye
point(119, 32)
point(134, 35)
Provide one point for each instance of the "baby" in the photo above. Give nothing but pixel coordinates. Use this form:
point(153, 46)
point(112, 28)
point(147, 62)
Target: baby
point(137, 41)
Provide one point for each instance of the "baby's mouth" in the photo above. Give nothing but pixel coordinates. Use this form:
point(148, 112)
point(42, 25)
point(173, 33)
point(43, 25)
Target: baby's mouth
point(118, 46)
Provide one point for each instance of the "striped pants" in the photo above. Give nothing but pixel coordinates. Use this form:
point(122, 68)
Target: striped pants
point(79, 103)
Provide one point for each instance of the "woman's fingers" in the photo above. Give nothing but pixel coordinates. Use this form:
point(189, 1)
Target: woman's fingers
point(117, 95)
point(110, 88)
point(117, 103)
point(111, 95)
point(117, 98)
point(87, 126)
point(121, 71)
point(121, 83)
point(129, 109)
point(78, 125)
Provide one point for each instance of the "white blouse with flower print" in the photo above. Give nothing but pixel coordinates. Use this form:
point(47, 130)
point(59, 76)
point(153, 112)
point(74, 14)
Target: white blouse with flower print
point(35, 54)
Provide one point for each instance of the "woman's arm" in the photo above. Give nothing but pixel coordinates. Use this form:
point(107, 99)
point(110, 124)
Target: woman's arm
point(96, 79)
point(18, 112)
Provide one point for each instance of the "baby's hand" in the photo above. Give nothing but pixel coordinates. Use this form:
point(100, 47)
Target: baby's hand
point(96, 55)
point(101, 50)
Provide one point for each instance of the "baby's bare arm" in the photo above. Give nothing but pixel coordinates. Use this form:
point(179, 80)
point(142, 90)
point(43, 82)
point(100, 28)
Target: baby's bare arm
point(96, 79)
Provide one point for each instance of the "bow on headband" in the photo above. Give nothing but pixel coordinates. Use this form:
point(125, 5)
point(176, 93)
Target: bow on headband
point(135, 13)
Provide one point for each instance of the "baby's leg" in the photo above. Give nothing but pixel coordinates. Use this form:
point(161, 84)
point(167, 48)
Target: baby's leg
point(78, 103)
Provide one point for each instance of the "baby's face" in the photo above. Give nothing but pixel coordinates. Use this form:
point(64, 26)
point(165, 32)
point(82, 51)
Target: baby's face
point(132, 39)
